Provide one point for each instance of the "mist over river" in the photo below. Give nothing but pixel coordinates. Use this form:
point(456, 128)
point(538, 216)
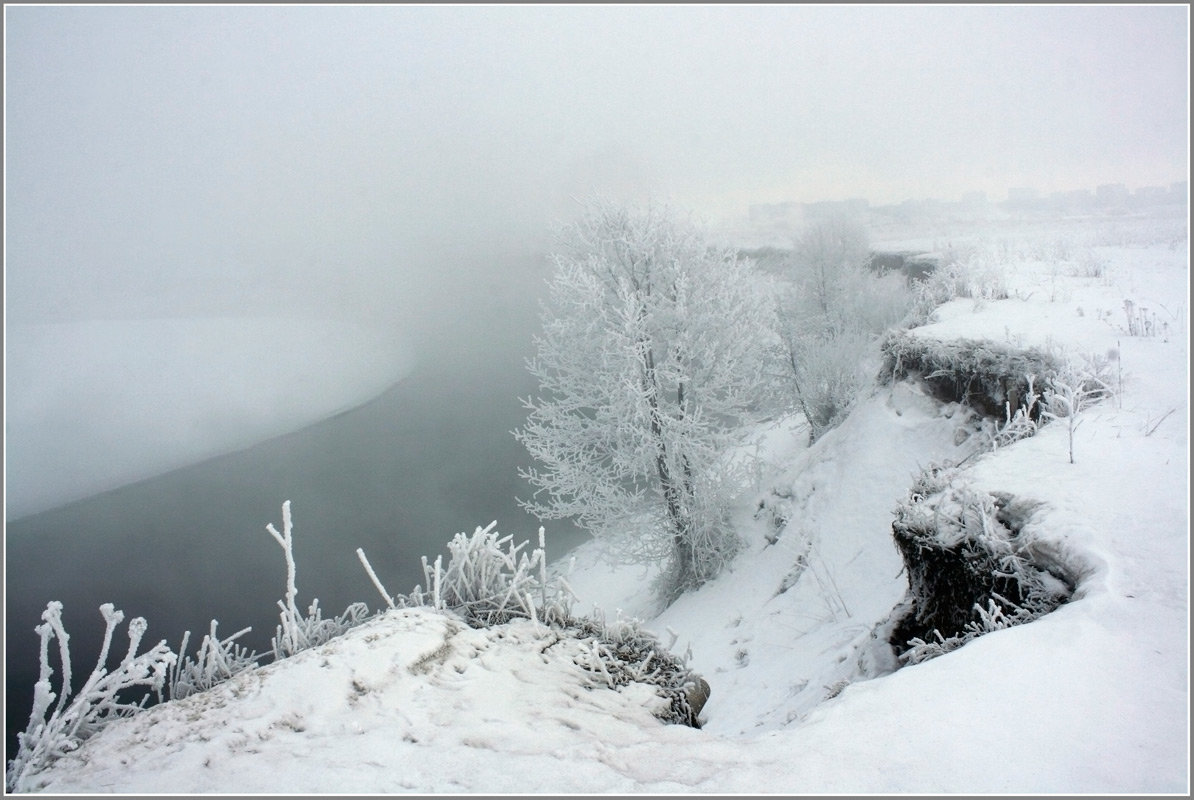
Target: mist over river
point(397, 476)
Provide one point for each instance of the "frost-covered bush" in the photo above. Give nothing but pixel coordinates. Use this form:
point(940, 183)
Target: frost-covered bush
point(828, 374)
point(622, 652)
point(1015, 425)
point(988, 620)
point(216, 661)
point(968, 271)
point(940, 286)
point(1073, 391)
point(297, 632)
point(103, 697)
point(488, 581)
point(969, 568)
point(836, 289)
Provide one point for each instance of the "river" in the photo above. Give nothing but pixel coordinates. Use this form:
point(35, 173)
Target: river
point(397, 476)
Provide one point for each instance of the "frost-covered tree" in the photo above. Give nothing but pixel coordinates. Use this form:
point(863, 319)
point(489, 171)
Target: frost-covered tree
point(823, 252)
point(830, 317)
point(653, 354)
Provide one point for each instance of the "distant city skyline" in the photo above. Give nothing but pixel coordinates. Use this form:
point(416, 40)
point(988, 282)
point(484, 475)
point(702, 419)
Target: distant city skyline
point(1174, 192)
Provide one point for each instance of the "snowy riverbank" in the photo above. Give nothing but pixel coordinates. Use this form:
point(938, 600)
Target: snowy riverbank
point(1092, 698)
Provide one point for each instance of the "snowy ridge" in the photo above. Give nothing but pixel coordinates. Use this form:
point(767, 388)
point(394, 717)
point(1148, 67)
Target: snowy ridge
point(1092, 698)
point(388, 707)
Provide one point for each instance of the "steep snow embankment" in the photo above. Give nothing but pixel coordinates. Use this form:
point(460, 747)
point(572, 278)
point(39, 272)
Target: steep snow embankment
point(1093, 697)
point(791, 623)
point(94, 405)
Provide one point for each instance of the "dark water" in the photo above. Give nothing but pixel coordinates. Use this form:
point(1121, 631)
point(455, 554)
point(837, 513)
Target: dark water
point(398, 476)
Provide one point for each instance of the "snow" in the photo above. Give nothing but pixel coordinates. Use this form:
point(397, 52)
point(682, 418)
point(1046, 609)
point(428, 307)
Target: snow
point(1092, 698)
point(93, 405)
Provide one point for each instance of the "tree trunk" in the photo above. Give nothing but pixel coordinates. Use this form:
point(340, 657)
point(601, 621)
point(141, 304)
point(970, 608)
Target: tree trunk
point(813, 429)
point(674, 488)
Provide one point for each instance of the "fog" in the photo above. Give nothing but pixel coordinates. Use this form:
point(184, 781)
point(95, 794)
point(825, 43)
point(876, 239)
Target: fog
point(397, 476)
point(402, 170)
point(180, 160)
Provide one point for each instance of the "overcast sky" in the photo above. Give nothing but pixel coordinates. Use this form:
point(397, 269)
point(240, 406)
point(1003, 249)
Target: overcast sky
point(249, 147)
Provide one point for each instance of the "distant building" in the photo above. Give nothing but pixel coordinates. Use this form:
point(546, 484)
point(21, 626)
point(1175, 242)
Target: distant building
point(776, 213)
point(1151, 196)
point(974, 200)
point(1021, 199)
point(854, 207)
point(1114, 195)
point(1022, 195)
point(924, 206)
point(1072, 200)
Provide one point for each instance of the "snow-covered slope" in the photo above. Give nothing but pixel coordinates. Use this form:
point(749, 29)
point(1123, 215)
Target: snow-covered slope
point(793, 620)
point(1092, 698)
point(93, 405)
point(401, 703)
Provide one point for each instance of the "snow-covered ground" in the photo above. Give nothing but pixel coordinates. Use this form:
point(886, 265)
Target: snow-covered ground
point(94, 405)
point(1092, 698)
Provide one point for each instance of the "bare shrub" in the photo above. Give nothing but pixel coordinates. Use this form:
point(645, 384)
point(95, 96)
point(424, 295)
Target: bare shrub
point(1073, 390)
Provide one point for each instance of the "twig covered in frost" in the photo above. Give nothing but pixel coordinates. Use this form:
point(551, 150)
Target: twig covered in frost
point(542, 553)
point(99, 700)
point(826, 590)
point(289, 639)
point(313, 630)
point(1164, 416)
point(373, 577)
point(217, 661)
point(990, 619)
point(297, 632)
